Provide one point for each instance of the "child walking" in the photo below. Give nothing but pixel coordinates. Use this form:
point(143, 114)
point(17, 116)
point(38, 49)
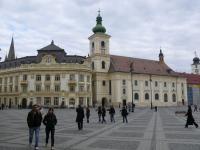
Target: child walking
point(50, 121)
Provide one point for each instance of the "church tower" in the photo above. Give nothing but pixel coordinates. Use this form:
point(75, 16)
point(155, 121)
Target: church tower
point(196, 65)
point(99, 47)
point(11, 53)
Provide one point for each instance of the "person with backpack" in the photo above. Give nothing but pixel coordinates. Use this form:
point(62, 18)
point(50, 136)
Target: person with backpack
point(34, 120)
point(99, 111)
point(50, 121)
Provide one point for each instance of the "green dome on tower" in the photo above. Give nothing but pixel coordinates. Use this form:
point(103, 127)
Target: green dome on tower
point(99, 27)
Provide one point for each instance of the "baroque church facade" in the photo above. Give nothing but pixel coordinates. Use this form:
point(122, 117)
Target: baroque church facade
point(54, 78)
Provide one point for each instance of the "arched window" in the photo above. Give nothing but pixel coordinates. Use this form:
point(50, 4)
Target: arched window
point(146, 96)
point(103, 64)
point(165, 98)
point(173, 97)
point(136, 96)
point(156, 96)
point(92, 65)
point(102, 44)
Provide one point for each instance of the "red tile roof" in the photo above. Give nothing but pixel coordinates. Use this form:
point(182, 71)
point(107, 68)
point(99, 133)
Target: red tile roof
point(191, 78)
point(142, 66)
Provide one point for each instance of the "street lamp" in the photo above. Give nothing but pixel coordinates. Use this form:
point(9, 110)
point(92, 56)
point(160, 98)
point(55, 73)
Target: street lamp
point(131, 70)
point(151, 92)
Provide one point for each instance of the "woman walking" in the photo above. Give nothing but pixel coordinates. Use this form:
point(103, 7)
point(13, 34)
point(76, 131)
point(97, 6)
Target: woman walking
point(50, 121)
point(190, 118)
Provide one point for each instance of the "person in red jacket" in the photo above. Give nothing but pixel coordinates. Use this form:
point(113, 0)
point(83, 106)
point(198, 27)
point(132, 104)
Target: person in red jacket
point(34, 120)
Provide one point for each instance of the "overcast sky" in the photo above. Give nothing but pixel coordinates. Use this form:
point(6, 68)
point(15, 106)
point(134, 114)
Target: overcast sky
point(138, 27)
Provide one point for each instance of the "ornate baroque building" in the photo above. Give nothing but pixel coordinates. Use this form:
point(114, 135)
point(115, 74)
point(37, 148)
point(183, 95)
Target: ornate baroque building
point(56, 78)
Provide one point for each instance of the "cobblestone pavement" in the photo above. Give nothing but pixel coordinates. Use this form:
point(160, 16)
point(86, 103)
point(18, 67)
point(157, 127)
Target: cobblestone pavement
point(146, 130)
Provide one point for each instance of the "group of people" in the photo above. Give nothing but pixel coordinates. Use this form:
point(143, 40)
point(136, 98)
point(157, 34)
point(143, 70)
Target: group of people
point(101, 111)
point(34, 120)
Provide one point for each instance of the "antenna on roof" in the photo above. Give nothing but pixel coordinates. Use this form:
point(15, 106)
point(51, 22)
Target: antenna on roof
point(195, 53)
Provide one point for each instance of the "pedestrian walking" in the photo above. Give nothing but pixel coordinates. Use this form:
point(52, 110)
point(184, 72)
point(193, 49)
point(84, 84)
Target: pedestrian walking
point(195, 108)
point(129, 107)
point(2, 106)
point(124, 114)
point(99, 113)
point(156, 108)
point(79, 117)
point(50, 121)
point(190, 118)
point(103, 114)
point(88, 114)
point(112, 113)
point(34, 120)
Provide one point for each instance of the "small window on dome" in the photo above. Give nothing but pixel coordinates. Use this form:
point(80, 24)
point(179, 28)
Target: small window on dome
point(92, 45)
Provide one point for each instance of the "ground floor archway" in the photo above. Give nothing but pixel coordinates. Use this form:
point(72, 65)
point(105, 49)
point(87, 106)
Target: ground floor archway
point(24, 103)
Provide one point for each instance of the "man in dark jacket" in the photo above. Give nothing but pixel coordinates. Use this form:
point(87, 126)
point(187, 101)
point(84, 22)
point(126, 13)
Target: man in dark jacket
point(34, 120)
point(50, 121)
point(99, 113)
point(124, 114)
point(79, 117)
point(103, 114)
point(112, 113)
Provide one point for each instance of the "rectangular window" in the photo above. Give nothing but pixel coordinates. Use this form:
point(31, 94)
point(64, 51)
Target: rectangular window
point(135, 82)
point(0, 89)
point(72, 77)
point(25, 77)
point(11, 80)
point(124, 91)
point(72, 88)
point(38, 77)
point(104, 83)
point(123, 82)
point(81, 100)
point(81, 88)
point(57, 77)
point(182, 85)
point(56, 101)
point(173, 84)
point(16, 88)
point(110, 87)
point(81, 78)
point(24, 88)
point(0, 80)
point(165, 84)
point(47, 88)
point(47, 77)
point(156, 83)
point(57, 88)
point(146, 83)
point(47, 101)
point(39, 100)
point(38, 88)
